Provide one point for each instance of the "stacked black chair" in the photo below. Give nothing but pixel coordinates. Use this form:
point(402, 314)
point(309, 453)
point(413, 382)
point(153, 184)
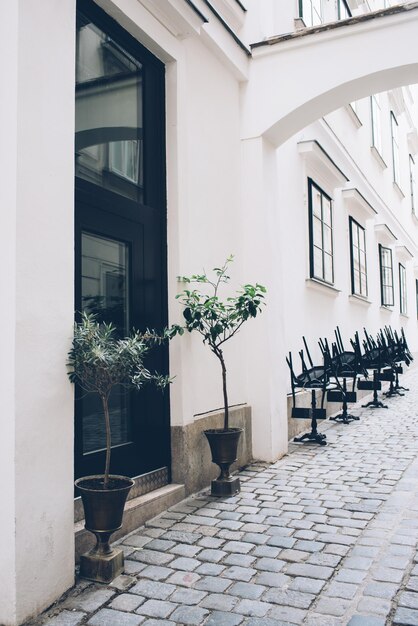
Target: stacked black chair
point(315, 378)
point(344, 364)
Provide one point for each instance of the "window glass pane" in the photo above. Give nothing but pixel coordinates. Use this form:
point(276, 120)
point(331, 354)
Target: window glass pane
point(363, 261)
point(326, 207)
point(108, 116)
point(328, 268)
point(317, 232)
point(357, 281)
point(363, 289)
point(316, 202)
point(104, 292)
point(318, 267)
point(354, 234)
point(327, 239)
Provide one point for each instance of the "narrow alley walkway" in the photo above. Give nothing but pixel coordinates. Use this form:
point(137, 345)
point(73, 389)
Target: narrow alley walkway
point(324, 537)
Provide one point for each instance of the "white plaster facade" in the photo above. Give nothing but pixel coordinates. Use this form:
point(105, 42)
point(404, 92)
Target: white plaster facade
point(240, 133)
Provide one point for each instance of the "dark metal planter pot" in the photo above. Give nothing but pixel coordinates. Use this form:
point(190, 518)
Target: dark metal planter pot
point(224, 445)
point(103, 511)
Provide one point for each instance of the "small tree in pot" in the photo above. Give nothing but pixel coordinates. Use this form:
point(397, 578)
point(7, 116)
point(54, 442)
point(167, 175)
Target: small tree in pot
point(217, 321)
point(99, 361)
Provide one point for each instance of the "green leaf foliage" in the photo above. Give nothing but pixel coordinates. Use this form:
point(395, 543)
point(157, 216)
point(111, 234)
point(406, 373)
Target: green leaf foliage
point(98, 360)
point(216, 320)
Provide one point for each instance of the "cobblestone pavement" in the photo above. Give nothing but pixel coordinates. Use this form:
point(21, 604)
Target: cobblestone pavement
point(324, 537)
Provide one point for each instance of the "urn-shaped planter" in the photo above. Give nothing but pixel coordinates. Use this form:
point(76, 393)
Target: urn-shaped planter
point(224, 448)
point(103, 511)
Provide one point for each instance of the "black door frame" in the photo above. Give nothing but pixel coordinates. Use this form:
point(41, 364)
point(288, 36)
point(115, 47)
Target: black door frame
point(103, 208)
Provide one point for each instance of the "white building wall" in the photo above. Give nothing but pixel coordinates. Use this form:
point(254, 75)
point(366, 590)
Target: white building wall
point(227, 193)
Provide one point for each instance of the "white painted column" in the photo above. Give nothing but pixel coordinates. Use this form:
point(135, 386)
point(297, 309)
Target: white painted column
point(262, 230)
point(37, 248)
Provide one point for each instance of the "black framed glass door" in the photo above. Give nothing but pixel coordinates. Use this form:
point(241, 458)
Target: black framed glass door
point(120, 231)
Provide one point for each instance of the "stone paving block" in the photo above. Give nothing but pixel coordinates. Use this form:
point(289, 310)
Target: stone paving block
point(209, 569)
point(309, 571)
point(181, 537)
point(153, 589)
point(239, 547)
point(366, 620)
point(270, 579)
point(309, 546)
point(358, 562)
point(332, 606)
point(283, 615)
point(338, 549)
point(252, 608)
point(185, 564)
point(281, 542)
point(342, 590)
point(138, 541)
point(412, 584)
point(126, 602)
point(66, 618)
point(243, 560)
point(109, 617)
point(184, 579)
point(229, 524)
point(248, 591)
point(184, 549)
point(156, 608)
point(306, 585)
point(405, 617)
point(409, 600)
point(381, 590)
point(133, 567)
point(293, 555)
point(188, 596)
point(322, 558)
point(210, 542)
point(388, 574)
point(368, 605)
point(163, 545)
point(89, 600)
point(220, 618)
point(157, 572)
point(190, 615)
point(212, 584)
point(219, 602)
point(270, 565)
point(297, 599)
point(152, 557)
point(211, 555)
point(235, 572)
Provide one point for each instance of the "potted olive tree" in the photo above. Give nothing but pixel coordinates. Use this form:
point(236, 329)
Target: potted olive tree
point(217, 321)
point(98, 361)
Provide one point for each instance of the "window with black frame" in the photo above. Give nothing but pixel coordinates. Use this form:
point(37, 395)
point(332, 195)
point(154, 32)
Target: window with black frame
point(320, 230)
point(403, 302)
point(386, 276)
point(358, 259)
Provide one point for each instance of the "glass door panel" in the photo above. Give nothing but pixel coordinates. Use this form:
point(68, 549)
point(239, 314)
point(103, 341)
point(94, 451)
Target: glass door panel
point(105, 293)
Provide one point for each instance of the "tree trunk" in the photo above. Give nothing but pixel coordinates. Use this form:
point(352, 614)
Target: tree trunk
point(105, 401)
point(225, 394)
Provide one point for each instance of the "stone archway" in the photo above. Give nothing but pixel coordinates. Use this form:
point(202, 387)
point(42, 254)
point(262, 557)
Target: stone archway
point(320, 69)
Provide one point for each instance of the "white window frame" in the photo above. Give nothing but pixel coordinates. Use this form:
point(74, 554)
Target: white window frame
point(376, 119)
point(394, 127)
point(403, 300)
point(311, 11)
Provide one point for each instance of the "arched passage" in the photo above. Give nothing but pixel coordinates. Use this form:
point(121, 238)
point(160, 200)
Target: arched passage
point(320, 70)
